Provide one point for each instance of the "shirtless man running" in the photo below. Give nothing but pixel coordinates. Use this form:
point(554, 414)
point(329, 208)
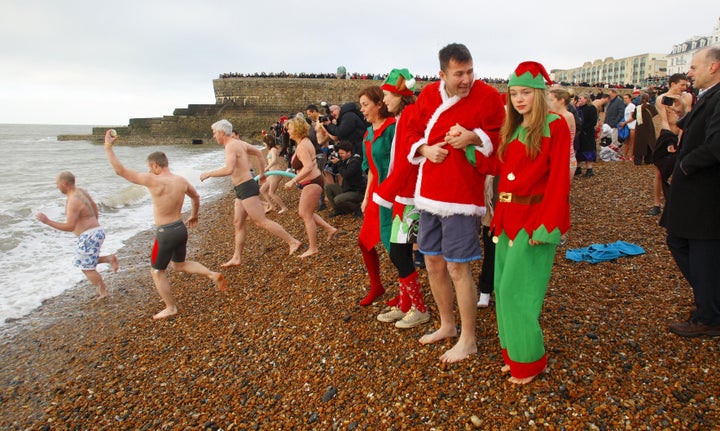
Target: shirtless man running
point(81, 218)
point(247, 191)
point(168, 193)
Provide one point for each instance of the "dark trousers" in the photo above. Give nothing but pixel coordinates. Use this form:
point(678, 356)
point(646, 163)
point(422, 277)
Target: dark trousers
point(486, 282)
point(699, 262)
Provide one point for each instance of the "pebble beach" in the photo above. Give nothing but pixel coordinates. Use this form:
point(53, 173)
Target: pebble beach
point(288, 348)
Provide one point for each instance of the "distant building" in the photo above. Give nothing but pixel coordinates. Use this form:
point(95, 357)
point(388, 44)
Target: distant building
point(681, 54)
point(637, 70)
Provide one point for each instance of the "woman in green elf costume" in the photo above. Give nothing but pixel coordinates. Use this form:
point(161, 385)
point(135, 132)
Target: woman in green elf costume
point(531, 214)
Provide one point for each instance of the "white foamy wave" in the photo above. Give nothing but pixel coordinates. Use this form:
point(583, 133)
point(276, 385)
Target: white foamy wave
point(131, 194)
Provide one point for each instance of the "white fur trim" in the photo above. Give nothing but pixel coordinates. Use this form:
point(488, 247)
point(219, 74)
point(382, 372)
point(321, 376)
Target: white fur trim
point(445, 209)
point(487, 146)
point(380, 201)
point(412, 158)
point(405, 200)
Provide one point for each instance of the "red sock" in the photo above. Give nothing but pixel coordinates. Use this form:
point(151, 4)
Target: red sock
point(412, 289)
point(372, 263)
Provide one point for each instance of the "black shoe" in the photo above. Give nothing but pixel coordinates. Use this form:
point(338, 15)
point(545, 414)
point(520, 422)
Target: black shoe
point(322, 206)
point(589, 173)
point(578, 172)
point(654, 211)
point(693, 328)
point(358, 213)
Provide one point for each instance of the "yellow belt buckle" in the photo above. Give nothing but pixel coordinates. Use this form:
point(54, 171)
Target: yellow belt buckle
point(505, 197)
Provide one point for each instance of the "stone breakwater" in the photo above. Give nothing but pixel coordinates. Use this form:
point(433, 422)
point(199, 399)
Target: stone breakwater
point(251, 104)
point(288, 348)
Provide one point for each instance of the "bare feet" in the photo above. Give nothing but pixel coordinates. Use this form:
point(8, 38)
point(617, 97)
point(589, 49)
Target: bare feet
point(102, 296)
point(232, 262)
point(439, 335)
point(167, 312)
point(519, 381)
point(308, 253)
point(332, 233)
point(114, 265)
point(459, 351)
point(219, 281)
point(505, 369)
point(295, 246)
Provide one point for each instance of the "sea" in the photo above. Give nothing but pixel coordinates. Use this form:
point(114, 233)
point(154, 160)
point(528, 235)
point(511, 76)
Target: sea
point(35, 259)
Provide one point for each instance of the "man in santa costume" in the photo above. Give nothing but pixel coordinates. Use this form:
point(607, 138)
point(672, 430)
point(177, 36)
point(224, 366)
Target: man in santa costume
point(453, 115)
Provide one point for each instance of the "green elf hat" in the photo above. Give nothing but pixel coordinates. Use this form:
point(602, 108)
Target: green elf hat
point(399, 81)
point(530, 74)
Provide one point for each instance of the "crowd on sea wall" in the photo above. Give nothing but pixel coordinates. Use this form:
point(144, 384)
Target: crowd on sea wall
point(420, 78)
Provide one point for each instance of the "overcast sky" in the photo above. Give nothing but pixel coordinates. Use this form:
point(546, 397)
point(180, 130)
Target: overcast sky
point(102, 63)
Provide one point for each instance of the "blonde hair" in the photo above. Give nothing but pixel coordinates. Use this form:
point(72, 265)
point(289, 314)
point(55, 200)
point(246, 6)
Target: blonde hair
point(536, 124)
point(300, 127)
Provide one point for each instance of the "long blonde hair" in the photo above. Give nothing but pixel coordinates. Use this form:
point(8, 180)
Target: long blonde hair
point(536, 124)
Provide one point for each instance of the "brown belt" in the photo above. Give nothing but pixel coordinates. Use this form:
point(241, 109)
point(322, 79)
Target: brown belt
point(523, 200)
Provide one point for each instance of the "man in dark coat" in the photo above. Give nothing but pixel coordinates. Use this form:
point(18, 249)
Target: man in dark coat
point(692, 214)
point(350, 127)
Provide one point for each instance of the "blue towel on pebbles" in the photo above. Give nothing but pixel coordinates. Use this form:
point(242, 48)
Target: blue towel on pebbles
point(604, 252)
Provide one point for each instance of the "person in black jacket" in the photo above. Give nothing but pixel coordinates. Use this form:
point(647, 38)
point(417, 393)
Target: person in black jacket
point(692, 212)
point(346, 198)
point(350, 127)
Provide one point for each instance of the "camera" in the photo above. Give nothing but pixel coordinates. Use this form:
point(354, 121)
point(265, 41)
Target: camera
point(668, 101)
point(324, 118)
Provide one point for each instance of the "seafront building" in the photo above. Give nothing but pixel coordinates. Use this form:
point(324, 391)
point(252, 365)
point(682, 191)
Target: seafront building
point(678, 61)
point(639, 70)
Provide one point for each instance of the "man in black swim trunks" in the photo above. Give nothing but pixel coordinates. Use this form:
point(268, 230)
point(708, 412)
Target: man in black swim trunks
point(168, 193)
point(247, 191)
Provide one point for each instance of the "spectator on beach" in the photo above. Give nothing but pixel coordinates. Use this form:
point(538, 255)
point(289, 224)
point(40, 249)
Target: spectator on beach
point(269, 188)
point(349, 125)
point(614, 113)
point(452, 114)
point(168, 192)
point(407, 309)
point(666, 144)
point(644, 133)
point(692, 213)
point(630, 122)
point(558, 101)
point(81, 218)
point(345, 198)
point(309, 178)
point(247, 200)
point(531, 215)
point(587, 146)
point(377, 221)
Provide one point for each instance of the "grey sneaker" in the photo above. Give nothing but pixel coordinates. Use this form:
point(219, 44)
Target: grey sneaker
point(655, 210)
point(412, 319)
point(393, 315)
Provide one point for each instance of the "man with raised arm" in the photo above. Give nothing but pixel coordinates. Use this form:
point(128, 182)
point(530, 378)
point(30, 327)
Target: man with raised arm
point(168, 192)
point(247, 191)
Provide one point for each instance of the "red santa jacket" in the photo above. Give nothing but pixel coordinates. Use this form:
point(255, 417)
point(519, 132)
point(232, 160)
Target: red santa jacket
point(453, 186)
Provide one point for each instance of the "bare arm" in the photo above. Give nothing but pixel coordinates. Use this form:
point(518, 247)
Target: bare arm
point(72, 215)
point(135, 177)
point(229, 164)
point(195, 211)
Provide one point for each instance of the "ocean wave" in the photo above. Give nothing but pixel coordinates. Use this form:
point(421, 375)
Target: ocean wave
point(131, 194)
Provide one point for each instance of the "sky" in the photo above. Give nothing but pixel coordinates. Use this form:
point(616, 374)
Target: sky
point(102, 63)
